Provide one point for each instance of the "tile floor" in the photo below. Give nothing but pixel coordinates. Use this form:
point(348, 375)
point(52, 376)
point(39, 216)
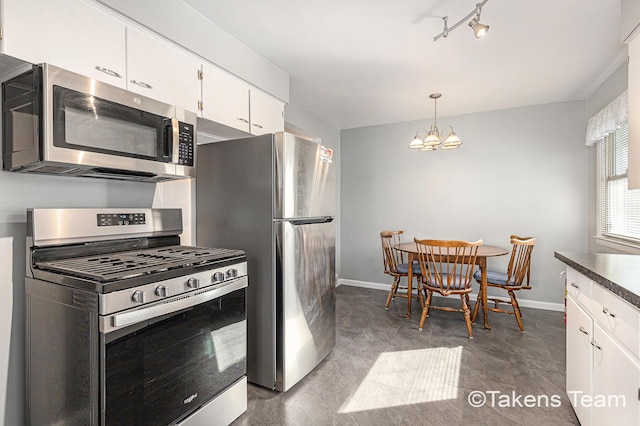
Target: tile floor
point(384, 371)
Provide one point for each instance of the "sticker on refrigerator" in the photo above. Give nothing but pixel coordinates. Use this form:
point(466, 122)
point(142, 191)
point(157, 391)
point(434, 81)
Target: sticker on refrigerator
point(326, 154)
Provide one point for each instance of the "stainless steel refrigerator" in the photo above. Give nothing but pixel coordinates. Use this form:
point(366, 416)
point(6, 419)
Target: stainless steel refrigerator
point(274, 197)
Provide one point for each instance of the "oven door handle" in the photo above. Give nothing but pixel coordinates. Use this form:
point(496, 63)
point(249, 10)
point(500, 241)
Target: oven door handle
point(180, 302)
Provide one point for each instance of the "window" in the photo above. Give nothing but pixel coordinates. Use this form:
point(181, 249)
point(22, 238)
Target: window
point(619, 207)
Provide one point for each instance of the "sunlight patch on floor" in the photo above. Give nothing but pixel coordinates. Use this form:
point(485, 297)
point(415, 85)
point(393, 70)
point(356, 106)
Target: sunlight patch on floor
point(408, 377)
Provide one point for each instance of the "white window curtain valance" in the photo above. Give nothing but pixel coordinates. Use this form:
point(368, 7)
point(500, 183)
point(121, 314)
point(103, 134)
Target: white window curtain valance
point(607, 120)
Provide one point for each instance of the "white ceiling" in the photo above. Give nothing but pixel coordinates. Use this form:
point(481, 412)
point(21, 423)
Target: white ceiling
point(358, 63)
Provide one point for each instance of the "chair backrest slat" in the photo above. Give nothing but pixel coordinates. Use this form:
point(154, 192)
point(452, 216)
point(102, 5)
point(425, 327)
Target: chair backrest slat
point(519, 269)
point(447, 264)
point(390, 256)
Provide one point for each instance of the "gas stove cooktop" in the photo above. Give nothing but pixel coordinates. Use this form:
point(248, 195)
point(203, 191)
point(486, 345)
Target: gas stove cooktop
point(107, 250)
point(129, 264)
point(105, 273)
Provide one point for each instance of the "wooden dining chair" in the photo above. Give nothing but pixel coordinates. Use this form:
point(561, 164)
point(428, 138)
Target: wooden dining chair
point(395, 265)
point(515, 278)
point(447, 269)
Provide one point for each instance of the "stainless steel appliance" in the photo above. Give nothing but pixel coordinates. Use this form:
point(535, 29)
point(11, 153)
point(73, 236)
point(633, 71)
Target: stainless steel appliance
point(124, 326)
point(58, 122)
point(274, 197)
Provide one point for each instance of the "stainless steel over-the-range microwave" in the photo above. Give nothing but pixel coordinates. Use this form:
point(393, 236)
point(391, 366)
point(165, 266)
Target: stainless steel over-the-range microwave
point(58, 122)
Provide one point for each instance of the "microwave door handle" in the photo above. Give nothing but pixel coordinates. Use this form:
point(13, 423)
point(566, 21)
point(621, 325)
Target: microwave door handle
point(171, 140)
point(167, 146)
point(175, 140)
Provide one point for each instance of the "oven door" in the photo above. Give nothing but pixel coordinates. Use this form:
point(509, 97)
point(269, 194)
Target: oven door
point(165, 366)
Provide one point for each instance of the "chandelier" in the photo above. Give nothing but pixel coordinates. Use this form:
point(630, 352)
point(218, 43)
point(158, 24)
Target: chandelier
point(434, 138)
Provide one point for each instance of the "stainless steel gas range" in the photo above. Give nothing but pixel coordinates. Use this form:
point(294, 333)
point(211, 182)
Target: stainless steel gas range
point(125, 326)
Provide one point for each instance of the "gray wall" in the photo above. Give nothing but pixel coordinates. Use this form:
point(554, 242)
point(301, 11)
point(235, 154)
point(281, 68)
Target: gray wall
point(17, 193)
point(520, 171)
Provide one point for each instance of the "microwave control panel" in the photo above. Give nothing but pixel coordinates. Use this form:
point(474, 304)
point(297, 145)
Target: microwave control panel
point(186, 144)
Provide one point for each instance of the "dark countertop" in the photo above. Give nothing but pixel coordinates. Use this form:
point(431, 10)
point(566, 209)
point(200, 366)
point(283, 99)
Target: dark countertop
point(619, 273)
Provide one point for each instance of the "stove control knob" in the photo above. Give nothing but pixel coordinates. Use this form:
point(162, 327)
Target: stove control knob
point(161, 291)
point(139, 296)
point(193, 283)
point(218, 277)
point(232, 273)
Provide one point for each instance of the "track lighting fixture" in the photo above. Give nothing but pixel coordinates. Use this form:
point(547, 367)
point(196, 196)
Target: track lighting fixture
point(479, 29)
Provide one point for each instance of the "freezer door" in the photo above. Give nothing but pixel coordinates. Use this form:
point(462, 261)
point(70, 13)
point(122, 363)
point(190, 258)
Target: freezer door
point(305, 290)
point(305, 178)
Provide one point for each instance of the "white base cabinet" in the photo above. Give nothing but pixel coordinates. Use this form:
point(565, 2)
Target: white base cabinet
point(579, 358)
point(616, 382)
point(603, 364)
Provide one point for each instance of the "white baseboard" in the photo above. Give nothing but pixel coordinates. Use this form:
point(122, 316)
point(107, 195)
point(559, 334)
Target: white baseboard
point(525, 303)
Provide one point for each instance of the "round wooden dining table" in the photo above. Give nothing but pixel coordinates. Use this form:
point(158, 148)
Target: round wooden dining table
point(484, 251)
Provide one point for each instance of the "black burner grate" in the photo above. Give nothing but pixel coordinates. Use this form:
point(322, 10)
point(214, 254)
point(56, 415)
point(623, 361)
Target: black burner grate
point(129, 264)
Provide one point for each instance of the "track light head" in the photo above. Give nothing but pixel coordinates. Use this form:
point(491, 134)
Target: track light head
point(479, 29)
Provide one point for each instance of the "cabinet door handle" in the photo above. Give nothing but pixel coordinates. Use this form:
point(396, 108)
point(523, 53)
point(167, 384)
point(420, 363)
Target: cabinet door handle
point(257, 125)
point(574, 285)
point(606, 312)
point(108, 71)
point(142, 84)
point(594, 344)
point(582, 330)
point(244, 120)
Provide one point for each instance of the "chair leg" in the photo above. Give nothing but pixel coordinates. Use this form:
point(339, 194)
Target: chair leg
point(477, 307)
point(425, 310)
point(428, 302)
point(392, 292)
point(516, 310)
point(467, 314)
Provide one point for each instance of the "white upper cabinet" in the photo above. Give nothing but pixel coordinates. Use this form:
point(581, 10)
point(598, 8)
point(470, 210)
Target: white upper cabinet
point(634, 113)
point(225, 98)
point(70, 34)
point(158, 70)
point(267, 113)
point(83, 37)
point(228, 100)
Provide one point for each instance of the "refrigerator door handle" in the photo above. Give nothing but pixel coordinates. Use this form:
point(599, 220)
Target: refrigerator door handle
point(307, 220)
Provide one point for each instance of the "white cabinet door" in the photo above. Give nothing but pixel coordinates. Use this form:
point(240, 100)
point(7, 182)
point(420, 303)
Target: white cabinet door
point(267, 113)
point(71, 34)
point(225, 98)
point(159, 71)
point(616, 382)
point(579, 352)
point(618, 318)
point(579, 287)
